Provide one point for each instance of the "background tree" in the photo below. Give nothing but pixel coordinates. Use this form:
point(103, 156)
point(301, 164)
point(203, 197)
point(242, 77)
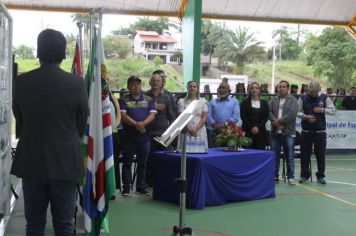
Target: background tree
point(239, 46)
point(211, 35)
point(158, 61)
point(282, 34)
point(124, 31)
point(116, 46)
point(71, 41)
point(332, 55)
point(25, 52)
point(157, 24)
point(84, 18)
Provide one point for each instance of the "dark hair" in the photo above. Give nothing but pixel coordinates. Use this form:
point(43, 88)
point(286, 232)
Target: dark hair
point(132, 79)
point(157, 72)
point(303, 87)
point(284, 81)
point(51, 46)
point(338, 91)
point(242, 86)
point(294, 86)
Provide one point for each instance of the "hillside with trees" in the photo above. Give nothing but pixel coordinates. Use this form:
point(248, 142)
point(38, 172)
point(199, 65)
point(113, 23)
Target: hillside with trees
point(300, 55)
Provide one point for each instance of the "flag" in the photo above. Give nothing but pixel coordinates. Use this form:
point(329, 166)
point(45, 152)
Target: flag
point(89, 77)
point(77, 61)
point(100, 176)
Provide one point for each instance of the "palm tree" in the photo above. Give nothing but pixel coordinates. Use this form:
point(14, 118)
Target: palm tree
point(211, 34)
point(283, 34)
point(239, 46)
point(84, 18)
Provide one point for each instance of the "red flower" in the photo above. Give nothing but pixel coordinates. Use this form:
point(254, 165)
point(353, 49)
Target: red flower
point(226, 132)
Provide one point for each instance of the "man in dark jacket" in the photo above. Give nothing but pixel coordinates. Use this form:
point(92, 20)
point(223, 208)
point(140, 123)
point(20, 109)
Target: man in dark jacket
point(51, 107)
point(313, 106)
point(164, 117)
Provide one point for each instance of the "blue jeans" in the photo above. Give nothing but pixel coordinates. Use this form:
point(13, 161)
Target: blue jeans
point(61, 194)
point(287, 142)
point(141, 149)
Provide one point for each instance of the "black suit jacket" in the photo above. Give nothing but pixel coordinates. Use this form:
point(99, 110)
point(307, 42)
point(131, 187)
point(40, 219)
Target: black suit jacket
point(51, 107)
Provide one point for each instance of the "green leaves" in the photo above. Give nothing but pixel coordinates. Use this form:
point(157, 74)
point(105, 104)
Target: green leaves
point(332, 55)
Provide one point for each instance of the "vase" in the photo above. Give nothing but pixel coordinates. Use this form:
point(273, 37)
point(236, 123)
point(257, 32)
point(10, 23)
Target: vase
point(233, 148)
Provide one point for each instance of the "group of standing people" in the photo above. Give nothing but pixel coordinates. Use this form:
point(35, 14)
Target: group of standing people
point(282, 111)
point(51, 106)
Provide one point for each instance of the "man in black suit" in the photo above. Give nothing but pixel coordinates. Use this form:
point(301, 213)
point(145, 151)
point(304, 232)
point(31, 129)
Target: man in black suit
point(51, 107)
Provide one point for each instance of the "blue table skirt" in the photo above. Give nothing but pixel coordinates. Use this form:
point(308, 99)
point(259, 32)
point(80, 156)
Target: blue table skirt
point(215, 178)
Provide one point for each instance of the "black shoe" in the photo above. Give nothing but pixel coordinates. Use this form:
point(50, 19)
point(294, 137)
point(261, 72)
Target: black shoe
point(113, 197)
point(143, 191)
point(125, 192)
point(321, 180)
point(302, 180)
point(276, 179)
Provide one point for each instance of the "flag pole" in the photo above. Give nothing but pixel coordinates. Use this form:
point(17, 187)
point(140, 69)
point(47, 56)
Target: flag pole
point(91, 28)
point(80, 39)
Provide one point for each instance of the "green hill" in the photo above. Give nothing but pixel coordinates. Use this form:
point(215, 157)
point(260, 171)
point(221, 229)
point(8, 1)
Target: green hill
point(295, 72)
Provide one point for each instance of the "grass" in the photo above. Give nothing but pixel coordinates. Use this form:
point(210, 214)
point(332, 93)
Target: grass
point(119, 70)
point(295, 72)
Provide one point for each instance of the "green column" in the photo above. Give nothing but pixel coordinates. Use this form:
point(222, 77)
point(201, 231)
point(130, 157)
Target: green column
point(191, 28)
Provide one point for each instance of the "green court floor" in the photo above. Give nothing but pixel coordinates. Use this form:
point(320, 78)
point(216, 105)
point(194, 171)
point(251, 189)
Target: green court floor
point(308, 209)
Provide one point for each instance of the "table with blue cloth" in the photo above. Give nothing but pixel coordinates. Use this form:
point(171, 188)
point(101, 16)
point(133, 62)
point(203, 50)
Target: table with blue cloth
point(215, 178)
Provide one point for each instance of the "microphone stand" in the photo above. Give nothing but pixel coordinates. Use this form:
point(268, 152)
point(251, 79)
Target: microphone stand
point(182, 230)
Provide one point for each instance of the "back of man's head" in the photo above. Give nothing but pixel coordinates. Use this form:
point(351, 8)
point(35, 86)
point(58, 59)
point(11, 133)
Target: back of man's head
point(51, 46)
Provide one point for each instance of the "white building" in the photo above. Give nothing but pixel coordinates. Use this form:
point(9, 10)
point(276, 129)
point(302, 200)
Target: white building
point(150, 44)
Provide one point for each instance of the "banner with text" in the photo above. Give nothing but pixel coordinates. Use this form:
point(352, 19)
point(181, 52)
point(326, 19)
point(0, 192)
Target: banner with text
point(340, 129)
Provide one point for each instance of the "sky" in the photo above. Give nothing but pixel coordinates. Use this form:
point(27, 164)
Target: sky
point(28, 24)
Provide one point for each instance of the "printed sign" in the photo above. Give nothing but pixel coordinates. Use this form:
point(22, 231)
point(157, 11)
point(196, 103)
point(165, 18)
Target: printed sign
point(340, 129)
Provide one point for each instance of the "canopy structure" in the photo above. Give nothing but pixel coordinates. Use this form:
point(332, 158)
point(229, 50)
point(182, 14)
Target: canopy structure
point(328, 12)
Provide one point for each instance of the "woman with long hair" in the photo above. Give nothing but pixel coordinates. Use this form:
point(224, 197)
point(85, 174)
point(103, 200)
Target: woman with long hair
point(254, 116)
point(196, 127)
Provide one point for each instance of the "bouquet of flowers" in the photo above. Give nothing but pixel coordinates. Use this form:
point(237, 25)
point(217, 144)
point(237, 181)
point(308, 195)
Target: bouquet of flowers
point(233, 137)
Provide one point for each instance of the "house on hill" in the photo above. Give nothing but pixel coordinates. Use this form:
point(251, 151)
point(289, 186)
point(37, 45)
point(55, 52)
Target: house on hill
point(150, 44)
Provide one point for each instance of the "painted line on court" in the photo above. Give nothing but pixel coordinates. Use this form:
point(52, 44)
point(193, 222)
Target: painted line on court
point(309, 194)
point(343, 183)
point(213, 232)
point(327, 195)
point(340, 159)
point(340, 168)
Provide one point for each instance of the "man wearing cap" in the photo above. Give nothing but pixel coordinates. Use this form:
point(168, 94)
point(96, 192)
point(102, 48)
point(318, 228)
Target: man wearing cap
point(137, 111)
point(51, 107)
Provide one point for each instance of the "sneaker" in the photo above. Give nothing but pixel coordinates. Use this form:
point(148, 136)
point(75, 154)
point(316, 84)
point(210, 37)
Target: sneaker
point(276, 179)
point(302, 180)
point(321, 181)
point(143, 192)
point(125, 192)
point(291, 181)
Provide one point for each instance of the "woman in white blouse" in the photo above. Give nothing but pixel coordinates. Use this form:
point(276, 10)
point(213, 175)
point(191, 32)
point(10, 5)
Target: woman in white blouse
point(196, 127)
